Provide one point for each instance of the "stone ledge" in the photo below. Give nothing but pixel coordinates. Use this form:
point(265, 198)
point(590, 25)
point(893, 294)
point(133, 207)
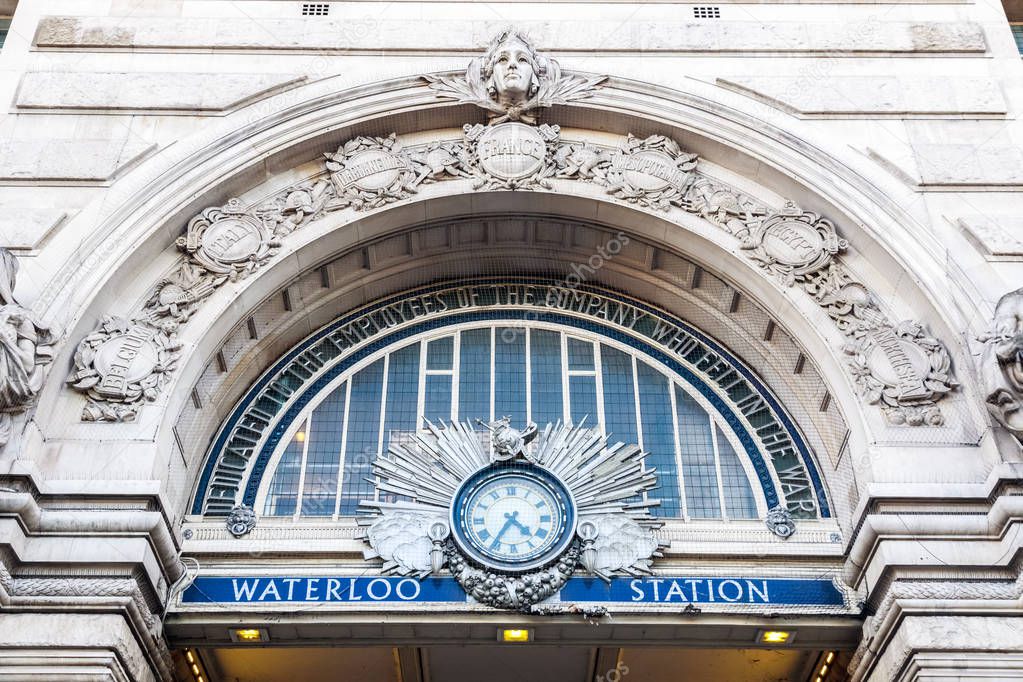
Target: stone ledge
point(373, 35)
point(190, 92)
point(872, 95)
point(91, 161)
point(997, 237)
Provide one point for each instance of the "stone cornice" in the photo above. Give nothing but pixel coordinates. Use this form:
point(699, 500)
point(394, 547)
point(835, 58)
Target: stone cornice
point(129, 514)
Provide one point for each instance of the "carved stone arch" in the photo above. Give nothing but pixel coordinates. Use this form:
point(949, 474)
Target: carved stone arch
point(258, 158)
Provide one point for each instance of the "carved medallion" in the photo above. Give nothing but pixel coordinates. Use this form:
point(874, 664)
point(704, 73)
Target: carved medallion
point(903, 370)
point(792, 244)
point(369, 172)
point(511, 151)
point(228, 240)
point(511, 155)
point(653, 172)
point(120, 365)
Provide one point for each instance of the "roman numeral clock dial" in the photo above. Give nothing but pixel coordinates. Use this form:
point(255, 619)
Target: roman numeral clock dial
point(513, 517)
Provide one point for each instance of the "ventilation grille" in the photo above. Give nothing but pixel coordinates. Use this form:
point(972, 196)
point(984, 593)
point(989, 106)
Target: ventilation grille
point(315, 9)
point(707, 12)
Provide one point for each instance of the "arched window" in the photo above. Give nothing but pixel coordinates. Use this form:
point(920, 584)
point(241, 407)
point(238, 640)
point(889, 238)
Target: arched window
point(539, 372)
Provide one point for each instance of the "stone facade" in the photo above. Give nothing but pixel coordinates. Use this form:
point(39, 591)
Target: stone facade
point(191, 188)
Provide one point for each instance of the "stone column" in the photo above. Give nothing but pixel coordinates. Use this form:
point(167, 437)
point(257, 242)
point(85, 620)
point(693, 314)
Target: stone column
point(85, 571)
point(945, 591)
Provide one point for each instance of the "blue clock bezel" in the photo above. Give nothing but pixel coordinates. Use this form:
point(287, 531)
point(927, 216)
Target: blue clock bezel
point(459, 520)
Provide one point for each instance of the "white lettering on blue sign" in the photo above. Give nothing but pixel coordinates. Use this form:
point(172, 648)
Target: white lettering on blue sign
point(648, 590)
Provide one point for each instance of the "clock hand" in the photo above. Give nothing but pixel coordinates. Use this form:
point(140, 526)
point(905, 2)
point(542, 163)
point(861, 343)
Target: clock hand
point(513, 518)
point(504, 528)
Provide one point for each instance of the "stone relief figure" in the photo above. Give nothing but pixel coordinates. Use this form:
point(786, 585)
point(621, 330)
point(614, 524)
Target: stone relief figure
point(511, 80)
point(1002, 363)
point(25, 350)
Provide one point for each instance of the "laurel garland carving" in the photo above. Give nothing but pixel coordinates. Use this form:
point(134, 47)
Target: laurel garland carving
point(897, 366)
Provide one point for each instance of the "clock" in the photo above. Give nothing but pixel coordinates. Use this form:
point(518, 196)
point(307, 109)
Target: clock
point(513, 517)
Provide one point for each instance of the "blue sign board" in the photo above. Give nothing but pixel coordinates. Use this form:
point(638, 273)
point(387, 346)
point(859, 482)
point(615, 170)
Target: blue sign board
point(648, 590)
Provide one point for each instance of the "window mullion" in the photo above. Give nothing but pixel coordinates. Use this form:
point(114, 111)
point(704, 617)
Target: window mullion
point(421, 391)
point(301, 471)
point(678, 453)
point(635, 398)
point(566, 408)
point(529, 381)
point(344, 447)
point(717, 466)
point(598, 373)
point(383, 416)
point(456, 364)
point(493, 377)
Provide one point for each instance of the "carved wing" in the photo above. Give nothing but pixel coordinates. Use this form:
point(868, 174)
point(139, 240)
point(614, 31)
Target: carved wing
point(558, 89)
point(401, 539)
point(468, 89)
point(623, 546)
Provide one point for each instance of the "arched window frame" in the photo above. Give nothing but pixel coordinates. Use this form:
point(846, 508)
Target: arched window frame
point(565, 331)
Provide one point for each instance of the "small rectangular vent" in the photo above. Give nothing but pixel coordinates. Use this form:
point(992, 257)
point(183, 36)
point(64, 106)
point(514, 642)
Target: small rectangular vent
point(315, 9)
point(704, 12)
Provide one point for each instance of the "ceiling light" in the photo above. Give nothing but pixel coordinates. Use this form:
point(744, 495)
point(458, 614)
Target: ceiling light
point(248, 635)
point(517, 636)
point(775, 636)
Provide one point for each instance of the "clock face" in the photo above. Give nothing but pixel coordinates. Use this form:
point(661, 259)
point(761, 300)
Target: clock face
point(513, 517)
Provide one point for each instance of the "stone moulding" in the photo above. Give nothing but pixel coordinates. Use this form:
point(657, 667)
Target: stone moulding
point(896, 366)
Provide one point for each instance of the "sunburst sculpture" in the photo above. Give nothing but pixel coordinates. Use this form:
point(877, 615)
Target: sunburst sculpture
point(512, 525)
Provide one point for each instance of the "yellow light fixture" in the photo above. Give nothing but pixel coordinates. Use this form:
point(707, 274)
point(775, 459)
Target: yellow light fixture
point(300, 436)
point(775, 636)
point(824, 670)
point(249, 635)
point(189, 656)
point(830, 658)
point(514, 635)
point(195, 669)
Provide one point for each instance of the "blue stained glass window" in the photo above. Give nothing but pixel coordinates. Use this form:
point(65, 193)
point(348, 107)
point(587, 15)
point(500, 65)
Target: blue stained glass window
point(632, 397)
point(580, 354)
point(282, 497)
point(697, 449)
point(363, 436)
point(582, 396)
point(619, 395)
point(545, 363)
point(739, 502)
point(510, 374)
point(439, 353)
point(438, 398)
point(323, 456)
point(659, 438)
point(474, 376)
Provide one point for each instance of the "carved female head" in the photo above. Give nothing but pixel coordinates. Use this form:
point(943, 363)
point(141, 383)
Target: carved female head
point(512, 69)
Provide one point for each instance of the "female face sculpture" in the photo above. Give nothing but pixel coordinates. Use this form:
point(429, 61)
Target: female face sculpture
point(514, 72)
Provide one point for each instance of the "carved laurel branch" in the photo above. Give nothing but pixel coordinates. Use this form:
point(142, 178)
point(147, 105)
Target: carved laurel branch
point(801, 248)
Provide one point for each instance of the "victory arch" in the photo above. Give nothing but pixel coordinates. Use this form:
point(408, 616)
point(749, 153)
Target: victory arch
point(506, 371)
